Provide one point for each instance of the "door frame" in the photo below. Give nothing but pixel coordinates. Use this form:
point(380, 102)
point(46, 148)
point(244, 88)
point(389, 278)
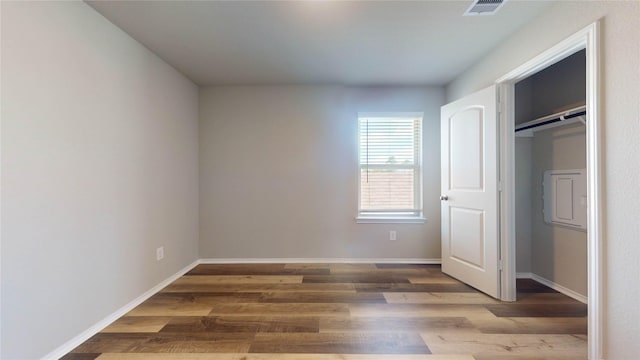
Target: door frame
point(587, 39)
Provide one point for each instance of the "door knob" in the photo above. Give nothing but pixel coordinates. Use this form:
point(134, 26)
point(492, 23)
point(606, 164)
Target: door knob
point(444, 197)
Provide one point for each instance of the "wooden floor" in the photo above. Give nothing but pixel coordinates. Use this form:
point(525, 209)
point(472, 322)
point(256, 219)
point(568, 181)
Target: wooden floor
point(340, 311)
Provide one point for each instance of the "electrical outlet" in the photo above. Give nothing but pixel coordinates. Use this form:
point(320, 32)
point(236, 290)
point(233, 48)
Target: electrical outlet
point(392, 235)
point(160, 253)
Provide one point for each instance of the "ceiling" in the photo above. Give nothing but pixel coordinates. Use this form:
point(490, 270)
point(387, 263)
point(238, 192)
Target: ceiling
point(317, 42)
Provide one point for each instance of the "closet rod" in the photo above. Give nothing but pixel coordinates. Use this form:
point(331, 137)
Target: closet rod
point(578, 112)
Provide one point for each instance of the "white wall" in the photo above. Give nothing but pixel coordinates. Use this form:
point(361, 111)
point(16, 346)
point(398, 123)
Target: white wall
point(559, 253)
point(559, 87)
point(99, 167)
point(620, 91)
point(279, 173)
point(523, 183)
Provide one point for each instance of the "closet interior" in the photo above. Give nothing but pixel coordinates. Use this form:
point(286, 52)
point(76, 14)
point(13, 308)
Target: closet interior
point(550, 156)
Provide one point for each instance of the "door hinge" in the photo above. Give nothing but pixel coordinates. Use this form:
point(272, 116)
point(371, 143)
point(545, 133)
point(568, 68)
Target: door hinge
point(500, 185)
point(500, 265)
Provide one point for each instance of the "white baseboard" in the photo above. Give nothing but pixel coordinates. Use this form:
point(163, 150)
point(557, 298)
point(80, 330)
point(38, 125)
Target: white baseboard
point(96, 328)
point(559, 288)
point(320, 261)
point(523, 275)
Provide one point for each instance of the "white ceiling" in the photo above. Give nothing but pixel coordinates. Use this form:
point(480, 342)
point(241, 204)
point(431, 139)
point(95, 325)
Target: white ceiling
point(317, 42)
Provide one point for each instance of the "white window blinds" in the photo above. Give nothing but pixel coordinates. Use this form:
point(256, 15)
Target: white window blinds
point(390, 165)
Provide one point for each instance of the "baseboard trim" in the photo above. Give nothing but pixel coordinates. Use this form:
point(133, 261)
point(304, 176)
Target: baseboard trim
point(523, 275)
point(96, 328)
point(557, 287)
point(423, 261)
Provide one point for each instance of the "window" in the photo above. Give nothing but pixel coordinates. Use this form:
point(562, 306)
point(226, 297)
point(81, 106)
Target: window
point(390, 161)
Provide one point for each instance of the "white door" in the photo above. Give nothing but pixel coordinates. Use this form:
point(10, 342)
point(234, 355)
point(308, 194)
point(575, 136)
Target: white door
point(470, 191)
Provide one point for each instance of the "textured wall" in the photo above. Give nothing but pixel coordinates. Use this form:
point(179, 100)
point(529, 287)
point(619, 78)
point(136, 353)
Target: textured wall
point(558, 253)
point(279, 173)
point(99, 167)
point(524, 209)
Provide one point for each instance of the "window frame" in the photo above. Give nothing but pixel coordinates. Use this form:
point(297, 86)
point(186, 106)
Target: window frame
point(399, 215)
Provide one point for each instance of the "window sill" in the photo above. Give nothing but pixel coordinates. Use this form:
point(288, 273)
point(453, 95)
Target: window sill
point(390, 220)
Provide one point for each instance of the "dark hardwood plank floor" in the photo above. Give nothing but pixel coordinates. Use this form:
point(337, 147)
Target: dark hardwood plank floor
point(340, 311)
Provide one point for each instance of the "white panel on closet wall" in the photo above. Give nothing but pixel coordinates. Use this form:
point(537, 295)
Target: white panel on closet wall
point(565, 198)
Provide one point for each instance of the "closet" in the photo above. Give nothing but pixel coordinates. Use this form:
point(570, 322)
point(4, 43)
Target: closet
point(550, 156)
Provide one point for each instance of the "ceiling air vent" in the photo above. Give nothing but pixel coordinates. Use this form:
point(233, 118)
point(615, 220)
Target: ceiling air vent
point(484, 7)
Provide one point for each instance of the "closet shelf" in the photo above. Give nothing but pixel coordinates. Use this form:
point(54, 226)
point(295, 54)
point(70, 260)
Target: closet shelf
point(566, 117)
